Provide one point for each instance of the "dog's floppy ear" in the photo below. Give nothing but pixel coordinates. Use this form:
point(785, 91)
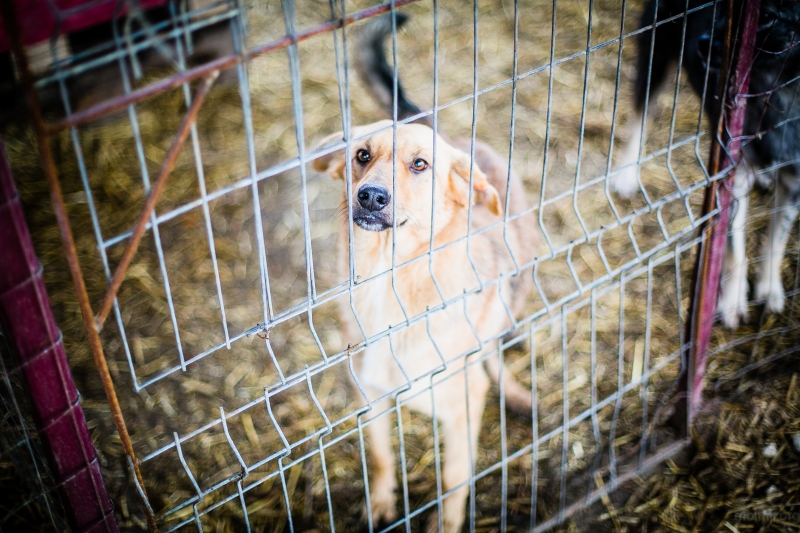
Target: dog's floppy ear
point(484, 192)
point(333, 163)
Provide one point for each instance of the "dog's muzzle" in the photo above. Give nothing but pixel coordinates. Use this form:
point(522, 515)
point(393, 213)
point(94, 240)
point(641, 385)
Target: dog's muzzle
point(373, 198)
point(369, 215)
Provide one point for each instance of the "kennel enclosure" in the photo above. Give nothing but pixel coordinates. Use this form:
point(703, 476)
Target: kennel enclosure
point(200, 244)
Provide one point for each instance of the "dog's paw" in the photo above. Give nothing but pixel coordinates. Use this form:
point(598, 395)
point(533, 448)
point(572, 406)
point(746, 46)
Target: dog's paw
point(732, 304)
point(452, 525)
point(776, 302)
point(382, 502)
point(625, 183)
point(432, 525)
point(733, 313)
point(772, 292)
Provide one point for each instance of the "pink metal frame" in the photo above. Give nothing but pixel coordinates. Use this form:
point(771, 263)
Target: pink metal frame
point(41, 364)
point(725, 152)
point(40, 19)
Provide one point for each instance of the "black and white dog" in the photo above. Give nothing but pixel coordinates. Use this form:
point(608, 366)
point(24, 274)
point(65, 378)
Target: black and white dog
point(771, 129)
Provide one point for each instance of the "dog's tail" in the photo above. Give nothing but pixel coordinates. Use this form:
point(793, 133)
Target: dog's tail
point(518, 398)
point(374, 70)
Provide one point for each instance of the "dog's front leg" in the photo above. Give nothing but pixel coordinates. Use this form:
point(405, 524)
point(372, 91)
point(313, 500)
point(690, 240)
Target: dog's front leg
point(457, 442)
point(382, 475)
point(626, 182)
point(732, 304)
point(770, 282)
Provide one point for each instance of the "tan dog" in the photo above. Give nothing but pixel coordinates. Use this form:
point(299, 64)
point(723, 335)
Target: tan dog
point(383, 299)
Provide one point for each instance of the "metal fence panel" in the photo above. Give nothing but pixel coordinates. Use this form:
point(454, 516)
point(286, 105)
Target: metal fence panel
point(238, 337)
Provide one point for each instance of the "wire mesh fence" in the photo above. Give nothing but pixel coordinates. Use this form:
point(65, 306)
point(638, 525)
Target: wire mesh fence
point(32, 502)
point(265, 339)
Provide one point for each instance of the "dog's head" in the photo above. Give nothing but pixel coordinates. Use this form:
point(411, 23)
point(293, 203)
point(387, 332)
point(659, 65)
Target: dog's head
point(376, 199)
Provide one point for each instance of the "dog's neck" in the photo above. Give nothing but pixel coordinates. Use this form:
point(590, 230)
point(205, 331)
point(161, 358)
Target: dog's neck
point(373, 249)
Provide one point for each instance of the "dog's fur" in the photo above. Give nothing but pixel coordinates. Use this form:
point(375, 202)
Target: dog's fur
point(771, 120)
point(384, 300)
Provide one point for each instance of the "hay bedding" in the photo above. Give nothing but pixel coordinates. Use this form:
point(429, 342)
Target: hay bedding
point(682, 498)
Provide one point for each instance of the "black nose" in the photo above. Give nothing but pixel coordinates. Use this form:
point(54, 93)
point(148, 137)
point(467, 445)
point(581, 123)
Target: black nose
point(373, 198)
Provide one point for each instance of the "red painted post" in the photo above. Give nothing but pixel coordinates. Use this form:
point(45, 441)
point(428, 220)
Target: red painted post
point(41, 19)
point(40, 360)
point(710, 265)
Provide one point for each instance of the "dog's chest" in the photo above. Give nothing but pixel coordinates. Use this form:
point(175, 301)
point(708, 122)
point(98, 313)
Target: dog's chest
point(389, 293)
point(384, 300)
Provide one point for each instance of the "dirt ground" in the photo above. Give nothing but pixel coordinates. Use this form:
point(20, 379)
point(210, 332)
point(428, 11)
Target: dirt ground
point(733, 481)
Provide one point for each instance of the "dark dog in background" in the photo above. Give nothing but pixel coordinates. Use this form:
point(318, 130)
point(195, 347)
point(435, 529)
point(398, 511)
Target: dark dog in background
point(772, 128)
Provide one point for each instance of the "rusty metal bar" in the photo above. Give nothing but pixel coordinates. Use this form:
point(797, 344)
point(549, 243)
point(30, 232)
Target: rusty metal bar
point(115, 104)
point(683, 415)
point(708, 268)
point(12, 26)
point(152, 198)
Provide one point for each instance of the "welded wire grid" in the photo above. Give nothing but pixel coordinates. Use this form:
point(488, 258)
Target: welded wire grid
point(237, 381)
point(31, 501)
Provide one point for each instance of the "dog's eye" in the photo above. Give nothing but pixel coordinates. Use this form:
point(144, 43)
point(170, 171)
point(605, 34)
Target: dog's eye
point(419, 165)
point(362, 156)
